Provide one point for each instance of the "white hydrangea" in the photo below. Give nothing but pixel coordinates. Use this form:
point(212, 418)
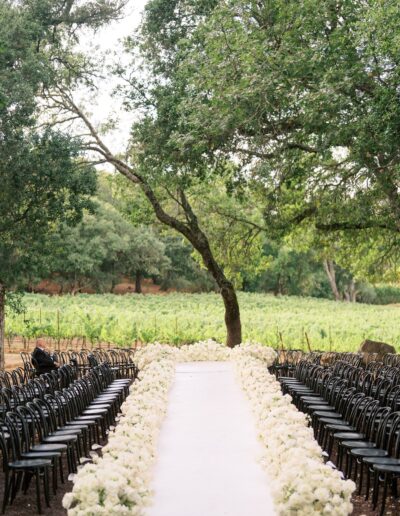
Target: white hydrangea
point(118, 482)
point(301, 484)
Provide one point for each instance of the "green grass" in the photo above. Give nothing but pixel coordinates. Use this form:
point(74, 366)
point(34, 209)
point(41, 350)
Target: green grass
point(179, 318)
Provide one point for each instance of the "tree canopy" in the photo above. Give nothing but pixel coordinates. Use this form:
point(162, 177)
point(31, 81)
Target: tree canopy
point(42, 174)
point(252, 122)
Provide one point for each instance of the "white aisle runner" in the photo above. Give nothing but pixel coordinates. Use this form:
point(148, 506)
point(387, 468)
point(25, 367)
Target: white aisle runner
point(208, 449)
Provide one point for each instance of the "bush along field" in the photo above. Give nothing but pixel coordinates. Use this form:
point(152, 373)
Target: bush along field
point(185, 318)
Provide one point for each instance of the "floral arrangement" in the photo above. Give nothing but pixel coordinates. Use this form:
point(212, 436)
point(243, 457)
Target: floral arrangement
point(301, 483)
point(203, 351)
point(118, 482)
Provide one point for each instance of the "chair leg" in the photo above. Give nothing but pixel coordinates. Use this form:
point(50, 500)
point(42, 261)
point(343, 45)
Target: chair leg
point(37, 482)
point(6, 493)
point(73, 459)
point(368, 482)
point(86, 434)
point(61, 470)
point(16, 485)
point(361, 477)
point(385, 485)
point(12, 485)
point(340, 457)
point(375, 492)
point(79, 446)
point(54, 474)
point(26, 482)
point(394, 487)
point(69, 463)
point(46, 486)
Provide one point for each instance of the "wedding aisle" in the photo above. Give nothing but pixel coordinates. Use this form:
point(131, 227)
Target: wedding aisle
point(208, 449)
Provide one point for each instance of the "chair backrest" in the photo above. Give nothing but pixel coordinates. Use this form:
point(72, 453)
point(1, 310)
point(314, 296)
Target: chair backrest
point(40, 419)
point(349, 401)
point(74, 406)
point(18, 395)
point(380, 426)
point(364, 414)
point(382, 388)
point(31, 428)
point(4, 451)
point(19, 434)
point(59, 409)
point(18, 377)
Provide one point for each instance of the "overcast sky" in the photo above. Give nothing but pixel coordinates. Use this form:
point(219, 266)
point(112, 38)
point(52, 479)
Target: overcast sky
point(109, 39)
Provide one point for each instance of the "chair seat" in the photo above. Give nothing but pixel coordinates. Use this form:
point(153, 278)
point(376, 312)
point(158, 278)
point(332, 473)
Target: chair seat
point(341, 428)
point(368, 452)
point(87, 419)
point(48, 447)
point(381, 460)
point(84, 422)
point(315, 408)
point(358, 444)
point(96, 411)
point(29, 463)
point(62, 439)
point(322, 413)
point(68, 431)
point(40, 455)
point(387, 468)
point(76, 426)
point(100, 405)
point(349, 435)
point(333, 421)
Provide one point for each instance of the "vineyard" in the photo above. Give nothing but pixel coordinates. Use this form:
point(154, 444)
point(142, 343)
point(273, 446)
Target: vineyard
point(184, 318)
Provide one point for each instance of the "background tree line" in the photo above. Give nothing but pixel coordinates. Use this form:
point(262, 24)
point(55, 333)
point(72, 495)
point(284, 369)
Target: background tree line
point(112, 244)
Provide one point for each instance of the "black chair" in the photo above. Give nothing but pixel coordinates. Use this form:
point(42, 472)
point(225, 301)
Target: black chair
point(19, 429)
point(15, 467)
point(47, 437)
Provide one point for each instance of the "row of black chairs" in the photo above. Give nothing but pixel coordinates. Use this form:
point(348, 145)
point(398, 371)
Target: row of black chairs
point(121, 360)
point(289, 357)
point(355, 411)
point(54, 419)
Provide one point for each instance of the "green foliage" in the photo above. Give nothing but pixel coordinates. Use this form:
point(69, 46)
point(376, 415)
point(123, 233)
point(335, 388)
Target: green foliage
point(184, 272)
point(292, 272)
point(42, 183)
point(103, 248)
point(304, 95)
point(43, 179)
point(382, 295)
point(180, 318)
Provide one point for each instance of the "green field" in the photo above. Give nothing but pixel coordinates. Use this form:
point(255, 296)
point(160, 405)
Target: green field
point(179, 318)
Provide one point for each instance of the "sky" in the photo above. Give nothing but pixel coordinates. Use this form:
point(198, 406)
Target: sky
point(108, 39)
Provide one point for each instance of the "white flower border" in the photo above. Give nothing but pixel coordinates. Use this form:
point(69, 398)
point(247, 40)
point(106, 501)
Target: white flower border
point(118, 482)
point(301, 483)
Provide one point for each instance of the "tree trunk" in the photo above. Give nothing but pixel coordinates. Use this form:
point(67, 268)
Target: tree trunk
point(354, 292)
point(351, 292)
point(232, 316)
point(138, 283)
point(2, 323)
point(329, 267)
